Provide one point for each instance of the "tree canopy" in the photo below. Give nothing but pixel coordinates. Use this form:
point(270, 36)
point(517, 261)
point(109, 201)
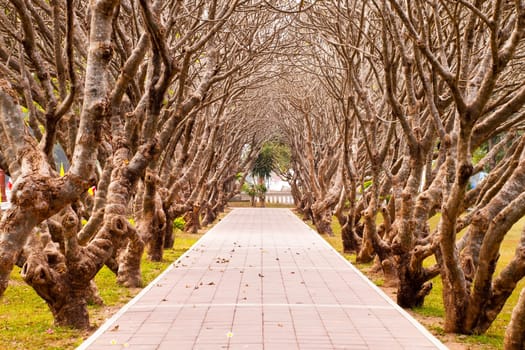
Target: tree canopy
point(370, 109)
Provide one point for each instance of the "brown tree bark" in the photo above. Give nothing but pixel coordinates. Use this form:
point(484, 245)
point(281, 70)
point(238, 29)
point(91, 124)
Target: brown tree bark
point(64, 278)
point(515, 332)
point(152, 222)
point(37, 193)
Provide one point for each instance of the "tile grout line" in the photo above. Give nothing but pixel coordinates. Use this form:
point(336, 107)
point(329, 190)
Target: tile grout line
point(266, 231)
point(407, 316)
point(190, 295)
point(345, 306)
point(316, 306)
point(288, 299)
point(222, 244)
point(109, 322)
point(237, 298)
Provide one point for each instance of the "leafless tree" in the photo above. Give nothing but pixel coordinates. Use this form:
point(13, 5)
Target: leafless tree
point(132, 94)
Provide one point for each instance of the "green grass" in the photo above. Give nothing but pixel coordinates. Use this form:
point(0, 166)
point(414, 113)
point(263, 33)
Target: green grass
point(27, 323)
point(433, 307)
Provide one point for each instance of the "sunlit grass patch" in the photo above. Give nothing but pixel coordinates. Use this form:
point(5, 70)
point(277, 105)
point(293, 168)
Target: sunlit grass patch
point(26, 322)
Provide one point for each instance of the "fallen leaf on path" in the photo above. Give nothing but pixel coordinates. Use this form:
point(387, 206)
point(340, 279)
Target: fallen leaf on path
point(261, 275)
point(211, 284)
point(114, 329)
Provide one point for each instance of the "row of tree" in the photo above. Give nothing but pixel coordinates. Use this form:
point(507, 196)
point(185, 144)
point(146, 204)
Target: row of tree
point(147, 101)
point(387, 108)
point(394, 106)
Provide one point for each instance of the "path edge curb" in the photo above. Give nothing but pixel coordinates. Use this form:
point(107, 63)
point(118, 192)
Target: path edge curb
point(109, 322)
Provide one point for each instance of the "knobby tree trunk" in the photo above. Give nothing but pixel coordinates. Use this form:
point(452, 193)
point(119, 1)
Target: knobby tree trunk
point(169, 238)
point(63, 277)
point(515, 333)
point(192, 218)
point(152, 222)
point(38, 193)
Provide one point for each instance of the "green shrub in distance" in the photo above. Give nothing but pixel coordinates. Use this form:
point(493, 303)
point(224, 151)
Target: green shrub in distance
point(179, 223)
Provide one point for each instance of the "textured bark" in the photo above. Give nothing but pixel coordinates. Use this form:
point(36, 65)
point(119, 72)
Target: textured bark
point(503, 211)
point(501, 289)
point(323, 221)
point(505, 193)
point(351, 240)
point(455, 295)
point(371, 241)
point(95, 221)
point(128, 246)
point(152, 222)
point(515, 332)
point(169, 238)
point(414, 283)
point(211, 210)
point(192, 218)
point(349, 225)
point(64, 278)
point(37, 194)
point(129, 274)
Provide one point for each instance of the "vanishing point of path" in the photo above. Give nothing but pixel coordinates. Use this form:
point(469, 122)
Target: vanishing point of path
point(261, 279)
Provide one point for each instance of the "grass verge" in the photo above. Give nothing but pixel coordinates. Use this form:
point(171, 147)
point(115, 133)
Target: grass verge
point(26, 322)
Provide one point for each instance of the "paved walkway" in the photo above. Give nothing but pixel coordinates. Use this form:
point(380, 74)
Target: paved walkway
point(261, 279)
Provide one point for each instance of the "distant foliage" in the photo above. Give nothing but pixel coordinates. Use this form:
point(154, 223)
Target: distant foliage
point(179, 223)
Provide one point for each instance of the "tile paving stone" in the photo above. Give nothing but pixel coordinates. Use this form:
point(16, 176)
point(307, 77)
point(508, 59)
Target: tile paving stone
point(261, 279)
point(178, 345)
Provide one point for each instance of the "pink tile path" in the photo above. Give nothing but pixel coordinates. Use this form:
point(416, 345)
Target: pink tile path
point(261, 279)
